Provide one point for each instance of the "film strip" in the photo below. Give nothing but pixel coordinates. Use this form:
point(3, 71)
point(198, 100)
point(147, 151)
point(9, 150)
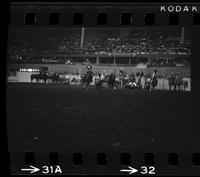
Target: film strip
point(105, 15)
point(107, 162)
point(102, 88)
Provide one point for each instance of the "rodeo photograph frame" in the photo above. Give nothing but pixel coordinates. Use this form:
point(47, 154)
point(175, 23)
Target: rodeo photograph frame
point(102, 88)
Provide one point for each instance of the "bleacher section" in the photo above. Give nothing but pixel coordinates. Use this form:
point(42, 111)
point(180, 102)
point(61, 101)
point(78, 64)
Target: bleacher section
point(155, 47)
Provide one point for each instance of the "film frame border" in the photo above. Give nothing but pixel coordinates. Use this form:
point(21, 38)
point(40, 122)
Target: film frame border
point(173, 153)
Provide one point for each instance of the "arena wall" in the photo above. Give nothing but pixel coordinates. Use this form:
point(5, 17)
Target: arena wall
point(25, 78)
point(163, 71)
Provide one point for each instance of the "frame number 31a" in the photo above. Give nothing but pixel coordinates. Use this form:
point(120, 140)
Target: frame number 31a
point(51, 169)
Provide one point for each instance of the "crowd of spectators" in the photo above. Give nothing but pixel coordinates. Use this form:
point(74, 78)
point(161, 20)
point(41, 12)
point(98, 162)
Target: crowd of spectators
point(20, 47)
point(110, 42)
point(106, 61)
point(169, 62)
point(136, 42)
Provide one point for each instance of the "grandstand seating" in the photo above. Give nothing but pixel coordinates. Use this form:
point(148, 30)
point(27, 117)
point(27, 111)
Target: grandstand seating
point(100, 42)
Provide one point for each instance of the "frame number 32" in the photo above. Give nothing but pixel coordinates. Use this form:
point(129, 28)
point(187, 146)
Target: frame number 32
point(148, 170)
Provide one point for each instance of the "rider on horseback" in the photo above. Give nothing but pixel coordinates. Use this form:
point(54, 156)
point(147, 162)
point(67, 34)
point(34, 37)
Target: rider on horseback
point(111, 81)
point(154, 75)
point(132, 80)
point(178, 81)
point(147, 81)
point(89, 66)
point(153, 80)
point(87, 78)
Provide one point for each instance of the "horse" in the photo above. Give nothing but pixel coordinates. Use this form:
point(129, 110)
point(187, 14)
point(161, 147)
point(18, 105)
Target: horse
point(51, 78)
point(54, 78)
point(98, 82)
point(65, 79)
point(147, 82)
point(139, 81)
point(131, 85)
point(134, 83)
point(37, 77)
point(171, 81)
point(184, 84)
point(74, 80)
point(153, 83)
point(45, 76)
point(87, 79)
point(101, 80)
point(124, 79)
point(111, 81)
point(117, 81)
point(179, 82)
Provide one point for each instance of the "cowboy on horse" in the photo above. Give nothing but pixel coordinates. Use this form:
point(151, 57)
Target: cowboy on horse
point(180, 82)
point(153, 80)
point(177, 81)
point(87, 78)
point(111, 81)
point(101, 79)
point(147, 81)
point(171, 80)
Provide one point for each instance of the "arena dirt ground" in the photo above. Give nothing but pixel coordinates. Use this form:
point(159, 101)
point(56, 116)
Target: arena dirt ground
point(58, 117)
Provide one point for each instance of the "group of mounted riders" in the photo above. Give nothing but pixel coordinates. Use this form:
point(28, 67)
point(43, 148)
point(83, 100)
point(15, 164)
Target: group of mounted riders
point(176, 80)
point(131, 81)
point(46, 77)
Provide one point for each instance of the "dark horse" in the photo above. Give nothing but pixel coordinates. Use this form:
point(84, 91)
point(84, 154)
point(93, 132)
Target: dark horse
point(171, 81)
point(153, 83)
point(37, 77)
point(54, 78)
point(44, 76)
point(183, 83)
point(109, 79)
point(134, 84)
point(150, 83)
point(100, 81)
point(87, 79)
